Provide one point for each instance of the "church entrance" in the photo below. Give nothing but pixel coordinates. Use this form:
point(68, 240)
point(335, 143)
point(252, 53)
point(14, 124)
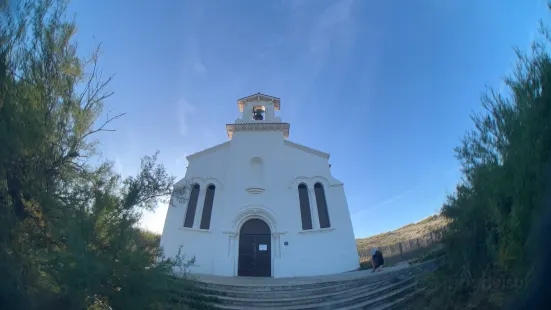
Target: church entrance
point(255, 248)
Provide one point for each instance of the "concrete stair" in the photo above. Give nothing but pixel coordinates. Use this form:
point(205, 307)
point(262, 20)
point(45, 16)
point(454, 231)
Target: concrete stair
point(382, 291)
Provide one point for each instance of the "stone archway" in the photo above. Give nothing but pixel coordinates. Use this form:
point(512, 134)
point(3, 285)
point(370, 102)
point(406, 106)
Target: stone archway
point(255, 247)
point(254, 212)
point(245, 214)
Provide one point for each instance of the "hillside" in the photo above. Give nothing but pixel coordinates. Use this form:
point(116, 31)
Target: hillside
point(407, 232)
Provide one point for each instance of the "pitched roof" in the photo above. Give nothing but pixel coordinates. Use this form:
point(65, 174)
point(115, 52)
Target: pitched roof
point(258, 96)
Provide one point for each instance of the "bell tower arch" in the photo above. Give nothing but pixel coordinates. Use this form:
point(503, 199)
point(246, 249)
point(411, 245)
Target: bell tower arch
point(258, 113)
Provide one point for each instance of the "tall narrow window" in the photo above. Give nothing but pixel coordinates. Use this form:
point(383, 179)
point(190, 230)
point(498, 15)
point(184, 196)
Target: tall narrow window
point(192, 206)
point(323, 213)
point(207, 208)
point(305, 213)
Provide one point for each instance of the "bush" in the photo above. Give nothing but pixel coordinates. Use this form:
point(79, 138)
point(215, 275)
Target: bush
point(68, 236)
point(504, 160)
point(436, 252)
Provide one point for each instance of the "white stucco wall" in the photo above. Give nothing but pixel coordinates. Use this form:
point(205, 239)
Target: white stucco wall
point(284, 165)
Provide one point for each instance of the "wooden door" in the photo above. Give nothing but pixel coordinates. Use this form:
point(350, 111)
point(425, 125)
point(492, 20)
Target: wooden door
point(255, 259)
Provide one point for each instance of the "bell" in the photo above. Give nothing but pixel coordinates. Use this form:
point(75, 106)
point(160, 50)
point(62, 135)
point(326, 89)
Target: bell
point(257, 115)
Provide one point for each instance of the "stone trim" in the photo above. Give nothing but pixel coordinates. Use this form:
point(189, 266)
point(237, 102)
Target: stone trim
point(240, 121)
point(251, 212)
point(255, 190)
point(306, 149)
point(203, 182)
point(319, 230)
point(231, 128)
point(210, 149)
point(259, 97)
point(311, 181)
point(195, 229)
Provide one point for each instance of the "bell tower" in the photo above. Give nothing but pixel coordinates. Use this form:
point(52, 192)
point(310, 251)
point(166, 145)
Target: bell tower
point(258, 114)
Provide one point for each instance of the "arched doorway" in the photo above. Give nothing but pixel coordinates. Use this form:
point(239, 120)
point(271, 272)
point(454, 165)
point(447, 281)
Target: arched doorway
point(255, 248)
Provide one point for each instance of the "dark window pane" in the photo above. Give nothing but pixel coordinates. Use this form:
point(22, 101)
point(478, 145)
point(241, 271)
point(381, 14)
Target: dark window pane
point(304, 207)
point(323, 213)
point(191, 206)
point(207, 208)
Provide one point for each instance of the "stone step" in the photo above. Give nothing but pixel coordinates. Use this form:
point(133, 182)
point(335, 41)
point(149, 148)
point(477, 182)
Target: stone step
point(301, 292)
point(402, 302)
point(369, 298)
point(293, 287)
point(271, 288)
point(382, 300)
point(316, 297)
point(388, 290)
point(391, 304)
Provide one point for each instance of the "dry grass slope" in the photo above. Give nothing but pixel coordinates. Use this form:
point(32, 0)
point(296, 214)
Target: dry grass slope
point(405, 233)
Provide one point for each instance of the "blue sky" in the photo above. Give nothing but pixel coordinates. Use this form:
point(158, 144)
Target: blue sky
point(386, 87)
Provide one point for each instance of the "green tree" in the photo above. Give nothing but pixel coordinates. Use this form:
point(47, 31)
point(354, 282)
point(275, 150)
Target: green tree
point(68, 228)
point(500, 198)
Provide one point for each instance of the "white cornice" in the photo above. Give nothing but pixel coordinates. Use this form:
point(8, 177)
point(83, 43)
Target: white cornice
point(306, 149)
point(284, 127)
point(210, 149)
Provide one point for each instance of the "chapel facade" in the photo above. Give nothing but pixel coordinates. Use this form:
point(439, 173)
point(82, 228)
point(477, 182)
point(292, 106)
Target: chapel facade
point(261, 205)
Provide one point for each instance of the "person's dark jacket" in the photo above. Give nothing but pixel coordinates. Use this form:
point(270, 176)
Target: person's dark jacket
point(378, 259)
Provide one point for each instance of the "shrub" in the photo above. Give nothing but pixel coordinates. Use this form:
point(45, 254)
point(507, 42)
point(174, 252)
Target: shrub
point(504, 160)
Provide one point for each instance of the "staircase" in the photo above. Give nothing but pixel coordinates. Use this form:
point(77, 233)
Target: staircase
point(389, 289)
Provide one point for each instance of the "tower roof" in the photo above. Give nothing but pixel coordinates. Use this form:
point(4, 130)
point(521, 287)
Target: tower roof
point(258, 97)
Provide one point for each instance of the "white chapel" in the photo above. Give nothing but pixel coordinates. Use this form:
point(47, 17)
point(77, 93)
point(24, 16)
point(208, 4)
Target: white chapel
point(261, 205)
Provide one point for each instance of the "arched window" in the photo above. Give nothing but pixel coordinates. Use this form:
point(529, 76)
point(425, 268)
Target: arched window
point(323, 213)
point(304, 207)
point(192, 206)
point(207, 207)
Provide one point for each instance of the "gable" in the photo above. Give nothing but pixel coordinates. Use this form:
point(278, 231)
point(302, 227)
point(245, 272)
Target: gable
point(210, 150)
point(306, 149)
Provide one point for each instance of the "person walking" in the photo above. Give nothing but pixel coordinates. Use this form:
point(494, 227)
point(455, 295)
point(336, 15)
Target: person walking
point(377, 260)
